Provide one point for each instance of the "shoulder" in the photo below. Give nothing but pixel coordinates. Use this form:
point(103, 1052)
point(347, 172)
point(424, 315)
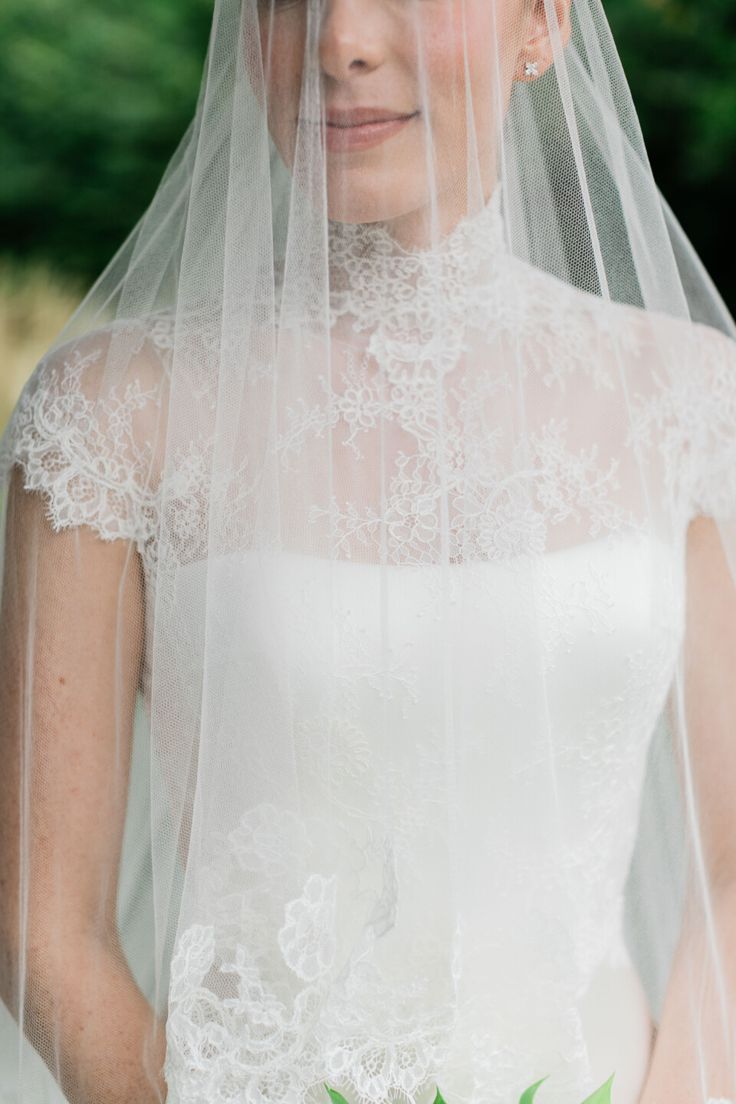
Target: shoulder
point(681, 404)
point(674, 349)
point(660, 389)
point(85, 428)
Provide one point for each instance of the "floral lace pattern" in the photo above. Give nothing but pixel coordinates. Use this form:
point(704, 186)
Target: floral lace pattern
point(90, 475)
point(247, 1025)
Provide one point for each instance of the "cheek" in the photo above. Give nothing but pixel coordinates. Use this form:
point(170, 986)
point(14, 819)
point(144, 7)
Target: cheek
point(479, 40)
point(282, 51)
point(459, 45)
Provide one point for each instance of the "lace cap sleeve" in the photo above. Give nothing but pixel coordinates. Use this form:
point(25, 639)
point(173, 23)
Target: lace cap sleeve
point(86, 427)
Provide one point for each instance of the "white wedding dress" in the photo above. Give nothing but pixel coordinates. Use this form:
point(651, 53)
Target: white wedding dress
point(604, 648)
point(355, 987)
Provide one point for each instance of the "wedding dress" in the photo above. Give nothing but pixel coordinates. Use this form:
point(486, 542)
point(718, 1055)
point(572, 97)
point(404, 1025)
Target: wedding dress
point(364, 535)
point(548, 984)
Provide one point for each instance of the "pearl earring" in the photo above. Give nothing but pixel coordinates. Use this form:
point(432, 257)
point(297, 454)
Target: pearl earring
point(531, 69)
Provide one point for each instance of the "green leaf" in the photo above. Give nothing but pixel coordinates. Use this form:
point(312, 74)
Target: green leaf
point(528, 1095)
point(336, 1096)
point(601, 1095)
point(439, 1098)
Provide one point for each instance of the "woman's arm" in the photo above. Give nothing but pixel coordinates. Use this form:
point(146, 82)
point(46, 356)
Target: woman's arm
point(71, 635)
point(710, 694)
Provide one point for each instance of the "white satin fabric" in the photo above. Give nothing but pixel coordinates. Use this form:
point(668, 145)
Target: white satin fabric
point(553, 917)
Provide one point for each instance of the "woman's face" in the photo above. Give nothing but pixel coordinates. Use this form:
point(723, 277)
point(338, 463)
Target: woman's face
point(396, 83)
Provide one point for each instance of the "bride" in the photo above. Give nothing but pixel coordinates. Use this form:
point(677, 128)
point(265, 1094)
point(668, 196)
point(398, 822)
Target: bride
point(369, 608)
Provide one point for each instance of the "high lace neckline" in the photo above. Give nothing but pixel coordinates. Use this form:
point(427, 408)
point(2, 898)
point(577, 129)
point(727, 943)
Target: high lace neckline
point(416, 304)
point(371, 274)
point(373, 239)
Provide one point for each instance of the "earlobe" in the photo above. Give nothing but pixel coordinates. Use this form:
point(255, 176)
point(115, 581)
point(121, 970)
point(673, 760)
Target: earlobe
point(564, 22)
point(538, 53)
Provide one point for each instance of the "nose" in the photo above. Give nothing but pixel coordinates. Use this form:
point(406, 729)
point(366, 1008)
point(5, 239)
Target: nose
point(350, 40)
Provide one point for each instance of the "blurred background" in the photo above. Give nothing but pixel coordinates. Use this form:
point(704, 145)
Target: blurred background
point(95, 94)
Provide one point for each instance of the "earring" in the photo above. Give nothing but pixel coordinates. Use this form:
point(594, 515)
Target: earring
point(531, 69)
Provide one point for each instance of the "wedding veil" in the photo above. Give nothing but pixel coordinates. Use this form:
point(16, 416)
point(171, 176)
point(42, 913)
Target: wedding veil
point(368, 626)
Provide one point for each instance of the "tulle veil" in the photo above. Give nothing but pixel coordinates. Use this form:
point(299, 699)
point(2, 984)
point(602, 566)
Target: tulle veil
point(369, 608)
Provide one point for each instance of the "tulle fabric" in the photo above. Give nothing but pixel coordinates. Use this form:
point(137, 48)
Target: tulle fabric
point(368, 611)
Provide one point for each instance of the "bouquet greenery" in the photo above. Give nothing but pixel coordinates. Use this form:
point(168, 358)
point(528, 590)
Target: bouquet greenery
point(601, 1095)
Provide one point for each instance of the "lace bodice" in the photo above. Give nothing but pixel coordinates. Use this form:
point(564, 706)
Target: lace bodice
point(571, 440)
point(94, 444)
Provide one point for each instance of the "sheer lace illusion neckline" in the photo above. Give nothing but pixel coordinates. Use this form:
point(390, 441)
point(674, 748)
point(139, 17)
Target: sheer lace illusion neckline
point(415, 306)
point(379, 282)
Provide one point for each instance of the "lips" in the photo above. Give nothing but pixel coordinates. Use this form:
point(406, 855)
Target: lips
point(358, 128)
point(363, 116)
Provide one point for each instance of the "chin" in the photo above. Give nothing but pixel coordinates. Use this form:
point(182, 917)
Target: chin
point(372, 200)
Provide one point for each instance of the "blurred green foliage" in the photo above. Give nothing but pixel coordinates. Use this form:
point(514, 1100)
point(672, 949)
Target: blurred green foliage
point(95, 94)
point(680, 60)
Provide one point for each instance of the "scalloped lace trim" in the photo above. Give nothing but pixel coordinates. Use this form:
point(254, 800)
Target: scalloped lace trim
point(83, 453)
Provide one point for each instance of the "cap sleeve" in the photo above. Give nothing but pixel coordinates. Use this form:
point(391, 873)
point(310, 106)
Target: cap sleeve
point(87, 427)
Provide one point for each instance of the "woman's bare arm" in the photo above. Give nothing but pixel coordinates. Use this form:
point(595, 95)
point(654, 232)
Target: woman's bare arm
point(710, 693)
point(70, 652)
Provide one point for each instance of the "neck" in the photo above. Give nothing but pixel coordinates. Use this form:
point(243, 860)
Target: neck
point(426, 226)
